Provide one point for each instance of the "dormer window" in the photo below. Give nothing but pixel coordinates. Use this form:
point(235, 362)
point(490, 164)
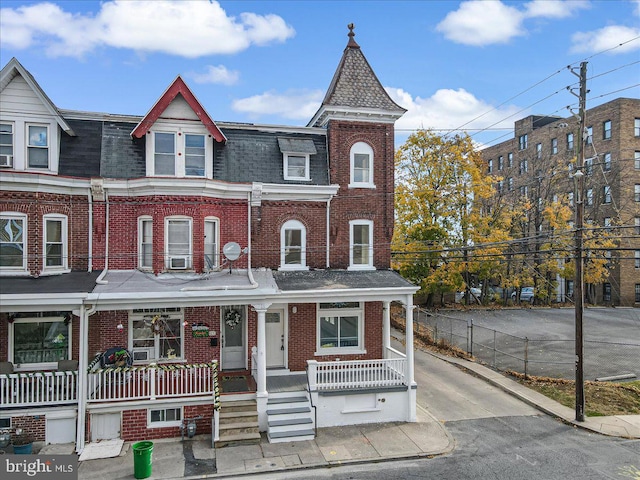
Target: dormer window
point(175, 153)
point(6, 145)
point(296, 167)
point(296, 155)
point(38, 146)
point(361, 160)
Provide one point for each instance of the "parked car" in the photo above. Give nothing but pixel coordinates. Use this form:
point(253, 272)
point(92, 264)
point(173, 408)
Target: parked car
point(474, 295)
point(526, 295)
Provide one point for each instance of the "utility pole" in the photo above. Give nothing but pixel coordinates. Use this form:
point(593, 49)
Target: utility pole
point(578, 287)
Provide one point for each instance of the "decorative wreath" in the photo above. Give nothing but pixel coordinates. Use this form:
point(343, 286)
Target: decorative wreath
point(232, 318)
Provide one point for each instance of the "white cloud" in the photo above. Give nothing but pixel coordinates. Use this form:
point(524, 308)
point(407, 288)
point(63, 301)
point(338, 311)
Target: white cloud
point(606, 38)
point(554, 8)
point(293, 104)
point(488, 22)
point(188, 28)
point(216, 74)
point(450, 109)
point(480, 23)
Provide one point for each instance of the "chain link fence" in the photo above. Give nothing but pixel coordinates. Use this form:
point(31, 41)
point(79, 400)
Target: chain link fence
point(530, 356)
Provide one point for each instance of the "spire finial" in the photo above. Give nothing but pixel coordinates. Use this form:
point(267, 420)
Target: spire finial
point(352, 42)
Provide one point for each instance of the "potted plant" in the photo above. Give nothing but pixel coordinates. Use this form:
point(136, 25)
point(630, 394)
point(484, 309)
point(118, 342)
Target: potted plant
point(22, 442)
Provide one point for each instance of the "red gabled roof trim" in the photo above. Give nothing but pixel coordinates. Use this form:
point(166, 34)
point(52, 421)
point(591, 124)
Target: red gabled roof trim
point(177, 87)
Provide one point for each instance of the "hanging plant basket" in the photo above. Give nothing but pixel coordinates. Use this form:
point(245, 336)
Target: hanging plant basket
point(232, 318)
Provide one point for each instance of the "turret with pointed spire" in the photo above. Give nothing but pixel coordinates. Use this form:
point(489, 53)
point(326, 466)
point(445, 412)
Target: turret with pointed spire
point(355, 93)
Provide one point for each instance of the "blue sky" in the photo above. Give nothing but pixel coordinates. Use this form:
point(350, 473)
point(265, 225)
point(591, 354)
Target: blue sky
point(479, 65)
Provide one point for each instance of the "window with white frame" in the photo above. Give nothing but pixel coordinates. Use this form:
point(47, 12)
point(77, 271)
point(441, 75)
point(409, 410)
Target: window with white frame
point(145, 243)
point(361, 245)
point(570, 141)
point(589, 199)
point(39, 342)
point(636, 127)
point(607, 162)
point(178, 243)
point(637, 258)
point(296, 166)
point(55, 242)
point(500, 162)
point(13, 242)
point(164, 417)
point(588, 166)
point(636, 160)
point(361, 156)
point(523, 141)
point(173, 152)
point(293, 248)
point(6, 144)
point(589, 136)
point(510, 159)
point(606, 190)
point(340, 328)
point(156, 334)
point(538, 150)
point(211, 255)
point(606, 130)
point(490, 166)
point(636, 192)
point(554, 146)
point(37, 146)
point(636, 222)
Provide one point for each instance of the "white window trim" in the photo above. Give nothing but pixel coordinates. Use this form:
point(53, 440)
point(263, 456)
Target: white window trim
point(306, 177)
point(179, 131)
point(293, 225)
point(13, 143)
point(28, 367)
point(167, 256)
point(64, 268)
point(141, 220)
point(172, 423)
point(368, 266)
point(27, 146)
point(216, 222)
point(337, 312)
point(18, 271)
point(156, 337)
point(364, 148)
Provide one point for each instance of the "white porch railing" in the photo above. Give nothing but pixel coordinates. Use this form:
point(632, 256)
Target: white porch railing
point(153, 382)
point(38, 388)
point(355, 374)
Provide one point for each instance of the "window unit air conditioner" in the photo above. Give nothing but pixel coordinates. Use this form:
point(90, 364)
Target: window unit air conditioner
point(178, 263)
point(6, 161)
point(142, 354)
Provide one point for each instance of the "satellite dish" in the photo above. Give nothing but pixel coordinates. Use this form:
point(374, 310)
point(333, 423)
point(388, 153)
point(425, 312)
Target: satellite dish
point(231, 251)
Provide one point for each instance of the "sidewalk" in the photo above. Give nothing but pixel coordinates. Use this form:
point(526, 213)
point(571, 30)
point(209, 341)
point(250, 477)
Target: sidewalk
point(335, 445)
point(332, 446)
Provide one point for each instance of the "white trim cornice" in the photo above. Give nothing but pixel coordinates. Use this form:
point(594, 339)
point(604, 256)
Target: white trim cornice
point(42, 183)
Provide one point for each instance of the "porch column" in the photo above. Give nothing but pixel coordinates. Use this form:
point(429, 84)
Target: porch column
point(411, 384)
point(83, 364)
point(386, 328)
point(261, 360)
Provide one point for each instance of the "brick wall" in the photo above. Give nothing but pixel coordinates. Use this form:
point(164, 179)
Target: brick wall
point(123, 227)
point(35, 206)
point(361, 203)
point(302, 335)
point(134, 424)
point(35, 425)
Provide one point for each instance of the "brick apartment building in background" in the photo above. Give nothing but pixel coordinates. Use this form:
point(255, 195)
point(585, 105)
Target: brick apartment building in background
point(538, 164)
point(141, 256)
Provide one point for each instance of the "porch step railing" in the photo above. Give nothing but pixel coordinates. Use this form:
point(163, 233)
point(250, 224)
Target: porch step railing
point(357, 374)
point(151, 382)
point(38, 388)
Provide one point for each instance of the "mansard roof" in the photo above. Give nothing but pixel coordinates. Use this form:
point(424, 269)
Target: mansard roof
point(14, 68)
point(178, 87)
point(355, 91)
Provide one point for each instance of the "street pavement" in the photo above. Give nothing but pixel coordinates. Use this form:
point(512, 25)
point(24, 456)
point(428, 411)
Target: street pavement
point(449, 389)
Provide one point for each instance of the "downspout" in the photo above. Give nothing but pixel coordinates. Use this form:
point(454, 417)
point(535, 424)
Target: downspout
point(100, 280)
point(328, 231)
point(90, 234)
point(254, 284)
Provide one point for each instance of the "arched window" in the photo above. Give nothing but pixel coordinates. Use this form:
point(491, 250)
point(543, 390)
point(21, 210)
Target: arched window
point(361, 156)
point(293, 246)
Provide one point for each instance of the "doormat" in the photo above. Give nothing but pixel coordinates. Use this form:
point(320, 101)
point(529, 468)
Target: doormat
point(234, 384)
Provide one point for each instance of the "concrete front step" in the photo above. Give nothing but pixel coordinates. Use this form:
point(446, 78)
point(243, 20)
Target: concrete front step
point(286, 411)
point(290, 421)
point(291, 436)
point(289, 399)
point(252, 438)
point(239, 406)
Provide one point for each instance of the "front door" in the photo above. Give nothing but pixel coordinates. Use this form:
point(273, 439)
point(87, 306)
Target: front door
point(275, 338)
point(233, 353)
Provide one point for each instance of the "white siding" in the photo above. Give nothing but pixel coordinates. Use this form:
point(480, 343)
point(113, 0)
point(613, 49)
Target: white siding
point(18, 97)
point(179, 109)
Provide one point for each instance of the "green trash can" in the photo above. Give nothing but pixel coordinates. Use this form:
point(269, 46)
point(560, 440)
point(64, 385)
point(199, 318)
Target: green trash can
point(142, 459)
